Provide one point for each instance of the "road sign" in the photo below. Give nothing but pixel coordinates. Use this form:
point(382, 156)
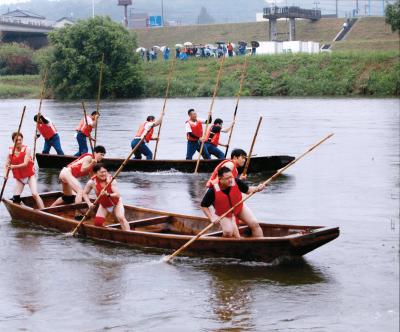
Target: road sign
point(155, 21)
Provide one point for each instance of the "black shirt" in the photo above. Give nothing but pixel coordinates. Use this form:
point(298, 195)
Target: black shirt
point(209, 197)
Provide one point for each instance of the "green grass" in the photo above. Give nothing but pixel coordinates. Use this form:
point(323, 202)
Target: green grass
point(19, 86)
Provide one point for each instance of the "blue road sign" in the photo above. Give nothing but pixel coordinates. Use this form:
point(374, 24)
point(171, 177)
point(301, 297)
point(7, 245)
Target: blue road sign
point(155, 21)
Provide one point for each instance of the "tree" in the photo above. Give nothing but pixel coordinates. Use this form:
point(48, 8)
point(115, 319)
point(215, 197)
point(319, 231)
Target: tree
point(392, 13)
point(75, 62)
point(204, 17)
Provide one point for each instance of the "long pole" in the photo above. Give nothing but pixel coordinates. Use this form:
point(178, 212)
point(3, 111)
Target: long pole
point(210, 111)
point(337, 8)
point(265, 183)
point(246, 166)
point(86, 123)
point(109, 183)
point(13, 151)
point(98, 96)
point(237, 103)
point(171, 70)
point(39, 113)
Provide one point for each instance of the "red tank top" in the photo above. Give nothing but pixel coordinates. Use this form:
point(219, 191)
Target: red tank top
point(197, 130)
point(224, 202)
point(140, 131)
point(214, 176)
point(212, 138)
point(47, 130)
point(76, 166)
point(84, 128)
point(105, 201)
point(24, 172)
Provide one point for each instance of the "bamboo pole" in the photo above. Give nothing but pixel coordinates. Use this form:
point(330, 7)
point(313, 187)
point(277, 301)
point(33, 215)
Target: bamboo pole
point(172, 68)
point(246, 166)
point(109, 183)
point(39, 114)
point(237, 103)
point(13, 151)
point(265, 183)
point(98, 95)
point(210, 111)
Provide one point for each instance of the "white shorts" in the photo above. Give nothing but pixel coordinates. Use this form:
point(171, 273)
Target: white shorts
point(23, 180)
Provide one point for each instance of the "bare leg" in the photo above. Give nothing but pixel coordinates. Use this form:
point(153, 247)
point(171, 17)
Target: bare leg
point(33, 186)
point(19, 187)
point(229, 228)
point(70, 185)
point(119, 212)
point(248, 217)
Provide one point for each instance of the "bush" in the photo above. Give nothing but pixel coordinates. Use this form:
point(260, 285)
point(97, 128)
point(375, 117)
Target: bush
point(74, 68)
point(16, 59)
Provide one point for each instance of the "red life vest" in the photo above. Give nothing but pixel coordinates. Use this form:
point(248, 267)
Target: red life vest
point(197, 130)
point(223, 202)
point(47, 130)
point(214, 176)
point(76, 166)
point(214, 139)
point(105, 201)
point(24, 172)
point(84, 128)
point(141, 129)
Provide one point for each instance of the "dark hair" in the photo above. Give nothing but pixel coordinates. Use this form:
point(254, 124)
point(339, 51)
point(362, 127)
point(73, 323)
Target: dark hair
point(95, 113)
point(223, 170)
point(42, 118)
point(98, 166)
point(99, 149)
point(237, 153)
point(151, 118)
point(218, 121)
point(190, 111)
point(14, 134)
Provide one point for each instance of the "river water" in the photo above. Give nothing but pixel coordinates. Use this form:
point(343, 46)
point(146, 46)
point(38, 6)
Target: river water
point(49, 282)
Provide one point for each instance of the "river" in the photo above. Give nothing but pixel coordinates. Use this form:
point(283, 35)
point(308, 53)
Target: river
point(50, 282)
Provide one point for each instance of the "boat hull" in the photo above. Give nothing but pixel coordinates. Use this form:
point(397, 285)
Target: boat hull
point(257, 164)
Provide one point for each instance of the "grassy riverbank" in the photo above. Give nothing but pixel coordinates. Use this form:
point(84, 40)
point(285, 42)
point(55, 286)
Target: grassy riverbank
point(337, 74)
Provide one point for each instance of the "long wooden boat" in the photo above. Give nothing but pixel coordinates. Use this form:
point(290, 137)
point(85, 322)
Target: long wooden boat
point(159, 229)
point(257, 164)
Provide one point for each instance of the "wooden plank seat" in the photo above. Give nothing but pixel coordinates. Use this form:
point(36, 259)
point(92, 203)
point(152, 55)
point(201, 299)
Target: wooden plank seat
point(143, 222)
point(59, 208)
point(219, 233)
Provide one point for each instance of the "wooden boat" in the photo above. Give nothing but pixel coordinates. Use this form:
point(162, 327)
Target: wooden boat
point(159, 229)
point(257, 164)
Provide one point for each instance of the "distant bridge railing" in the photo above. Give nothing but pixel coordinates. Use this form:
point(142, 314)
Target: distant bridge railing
point(291, 12)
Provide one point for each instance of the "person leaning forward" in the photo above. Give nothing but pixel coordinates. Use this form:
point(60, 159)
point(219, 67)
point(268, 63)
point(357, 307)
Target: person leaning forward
point(47, 129)
point(110, 201)
point(211, 140)
point(225, 194)
point(83, 130)
point(146, 130)
point(194, 132)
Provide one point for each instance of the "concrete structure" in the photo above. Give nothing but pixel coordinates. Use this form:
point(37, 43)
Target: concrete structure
point(62, 22)
point(138, 20)
point(125, 3)
point(274, 13)
point(276, 47)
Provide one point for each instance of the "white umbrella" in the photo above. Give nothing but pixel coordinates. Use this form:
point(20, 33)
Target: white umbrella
point(162, 48)
point(179, 45)
point(210, 46)
point(139, 49)
point(156, 47)
point(188, 44)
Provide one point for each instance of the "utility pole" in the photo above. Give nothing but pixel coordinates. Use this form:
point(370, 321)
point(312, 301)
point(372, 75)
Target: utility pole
point(92, 8)
point(162, 12)
point(369, 7)
point(337, 8)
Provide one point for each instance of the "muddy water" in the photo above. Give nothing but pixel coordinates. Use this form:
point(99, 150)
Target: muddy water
point(52, 282)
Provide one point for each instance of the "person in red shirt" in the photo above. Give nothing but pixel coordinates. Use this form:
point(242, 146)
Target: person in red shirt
point(22, 167)
point(146, 130)
point(212, 139)
point(194, 132)
point(110, 201)
point(83, 131)
point(224, 195)
point(230, 49)
point(71, 187)
point(47, 129)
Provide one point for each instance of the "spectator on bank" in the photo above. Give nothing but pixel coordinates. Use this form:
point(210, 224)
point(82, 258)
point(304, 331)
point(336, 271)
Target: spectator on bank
point(166, 53)
point(230, 49)
point(147, 55)
point(177, 52)
point(253, 50)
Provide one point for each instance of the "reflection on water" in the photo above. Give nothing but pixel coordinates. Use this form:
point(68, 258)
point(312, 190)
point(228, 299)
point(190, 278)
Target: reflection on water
point(49, 281)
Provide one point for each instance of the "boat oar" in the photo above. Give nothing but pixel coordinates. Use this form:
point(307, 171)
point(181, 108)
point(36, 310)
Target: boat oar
point(237, 103)
point(171, 71)
point(39, 113)
point(210, 112)
point(119, 170)
point(13, 151)
point(98, 95)
point(265, 183)
point(86, 123)
point(246, 166)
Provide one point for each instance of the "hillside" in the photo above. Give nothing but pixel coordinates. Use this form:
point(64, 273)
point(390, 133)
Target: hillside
point(367, 34)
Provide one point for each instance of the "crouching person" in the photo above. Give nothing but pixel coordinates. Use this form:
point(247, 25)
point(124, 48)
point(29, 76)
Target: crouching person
point(110, 201)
